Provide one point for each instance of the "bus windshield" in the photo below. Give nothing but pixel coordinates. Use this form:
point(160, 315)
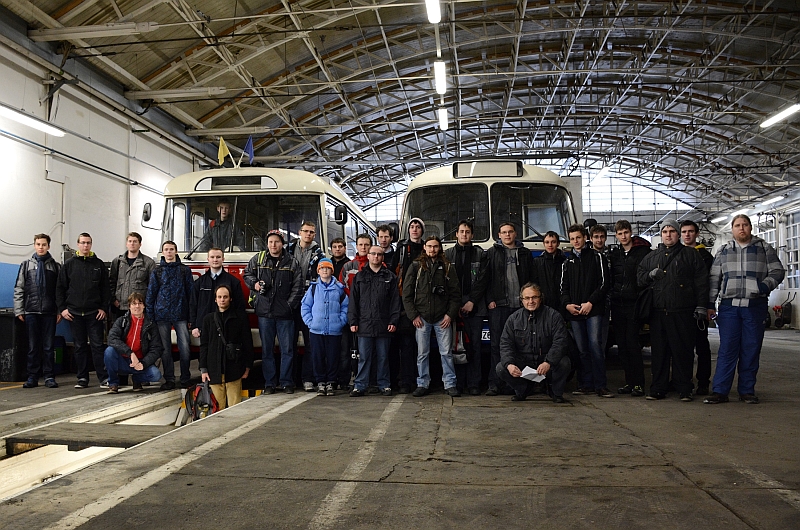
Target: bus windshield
point(533, 208)
point(442, 207)
point(237, 223)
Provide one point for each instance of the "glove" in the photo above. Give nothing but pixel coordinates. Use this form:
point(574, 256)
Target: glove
point(657, 274)
point(700, 313)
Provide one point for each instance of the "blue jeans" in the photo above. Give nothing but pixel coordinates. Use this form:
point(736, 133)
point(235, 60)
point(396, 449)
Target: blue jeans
point(324, 352)
point(116, 364)
point(588, 334)
point(444, 337)
point(741, 332)
point(268, 329)
point(87, 335)
point(369, 348)
point(182, 335)
point(41, 335)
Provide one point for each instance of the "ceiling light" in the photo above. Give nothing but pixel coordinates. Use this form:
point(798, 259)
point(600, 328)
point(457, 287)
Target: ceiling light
point(91, 32)
point(780, 116)
point(31, 121)
point(228, 131)
point(434, 11)
point(440, 77)
point(176, 93)
point(773, 200)
point(443, 124)
point(719, 219)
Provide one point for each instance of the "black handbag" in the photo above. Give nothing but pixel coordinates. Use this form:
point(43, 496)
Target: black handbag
point(233, 352)
point(643, 309)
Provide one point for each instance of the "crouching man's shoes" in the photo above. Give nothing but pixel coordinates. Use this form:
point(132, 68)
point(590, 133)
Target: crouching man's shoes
point(715, 399)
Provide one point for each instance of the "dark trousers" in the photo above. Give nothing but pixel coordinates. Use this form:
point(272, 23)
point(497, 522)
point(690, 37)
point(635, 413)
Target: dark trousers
point(408, 358)
point(703, 351)
point(626, 331)
point(469, 375)
point(324, 355)
point(347, 364)
point(302, 363)
point(497, 320)
point(556, 377)
point(41, 336)
point(87, 329)
point(672, 336)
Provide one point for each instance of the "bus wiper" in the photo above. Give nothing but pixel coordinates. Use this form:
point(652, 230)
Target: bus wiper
point(194, 249)
point(528, 226)
point(454, 230)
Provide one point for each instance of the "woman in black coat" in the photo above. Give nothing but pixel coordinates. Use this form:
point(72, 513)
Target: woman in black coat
point(226, 349)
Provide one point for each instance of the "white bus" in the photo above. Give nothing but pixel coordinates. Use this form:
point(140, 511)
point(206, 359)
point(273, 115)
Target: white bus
point(488, 193)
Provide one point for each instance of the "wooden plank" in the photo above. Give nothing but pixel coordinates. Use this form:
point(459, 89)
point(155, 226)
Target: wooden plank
point(77, 436)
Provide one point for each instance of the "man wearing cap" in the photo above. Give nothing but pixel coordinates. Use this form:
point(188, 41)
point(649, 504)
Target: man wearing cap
point(679, 279)
point(276, 279)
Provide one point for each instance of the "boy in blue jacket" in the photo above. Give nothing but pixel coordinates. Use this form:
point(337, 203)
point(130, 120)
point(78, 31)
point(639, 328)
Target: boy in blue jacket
point(324, 311)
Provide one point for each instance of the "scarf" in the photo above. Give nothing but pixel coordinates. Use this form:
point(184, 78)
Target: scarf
point(40, 278)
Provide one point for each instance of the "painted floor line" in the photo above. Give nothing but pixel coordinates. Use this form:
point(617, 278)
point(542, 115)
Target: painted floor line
point(337, 500)
point(137, 485)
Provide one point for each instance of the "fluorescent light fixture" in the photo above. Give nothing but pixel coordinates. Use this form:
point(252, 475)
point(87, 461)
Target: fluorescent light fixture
point(443, 124)
point(174, 93)
point(440, 77)
point(228, 131)
point(739, 212)
point(434, 11)
point(91, 32)
point(780, 116)
point(31, 121)
point(719, 219)
point(773, 200)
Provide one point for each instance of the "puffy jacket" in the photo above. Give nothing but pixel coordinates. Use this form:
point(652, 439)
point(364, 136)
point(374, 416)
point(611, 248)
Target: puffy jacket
point(374, 302)
point(169, 292)
point(624, 287)
point(547, 275)
point(494, 282)
point(470, 262)
point(27, 298)
point(585, 279)
point(151, 340)
point(127, 279)
point(282, 283)
point(310, 274)
point(685, 284)
point(419, 298)
point(204, 300)
point(213, 360)
point(350, 269)
point(745, 274)
point(324, 308)
point(83, 285)
point(532, 337)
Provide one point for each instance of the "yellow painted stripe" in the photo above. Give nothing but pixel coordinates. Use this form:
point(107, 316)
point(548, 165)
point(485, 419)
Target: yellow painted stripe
point(10, 387)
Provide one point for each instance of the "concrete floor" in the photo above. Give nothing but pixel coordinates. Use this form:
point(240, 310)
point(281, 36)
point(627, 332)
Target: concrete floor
point(302, 461)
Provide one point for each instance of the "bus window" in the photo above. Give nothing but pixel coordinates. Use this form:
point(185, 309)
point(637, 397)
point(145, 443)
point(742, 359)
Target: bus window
point(177, 227)
point(333, 230)
point(351, 233)
point(256, 215)
point(533, 208)
point(198, 228)
point(441, 207)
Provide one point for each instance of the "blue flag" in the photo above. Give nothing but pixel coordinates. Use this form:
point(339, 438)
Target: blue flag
point(248, 148)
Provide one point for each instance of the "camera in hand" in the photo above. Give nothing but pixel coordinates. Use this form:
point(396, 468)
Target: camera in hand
point(438, 289)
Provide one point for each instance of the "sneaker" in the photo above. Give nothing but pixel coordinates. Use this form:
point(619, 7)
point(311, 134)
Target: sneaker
point(50, 383)
point(112, 389)
point(701, 391)
point(169, 385)
point(583, 391)
point(104, 384)
point(288, 390)
point(373, 390)
point(685, 397)
point(268, 390)
point(329, 391)
point(356, 393)
point(637, 391)
point(420, 391)
point(492, 391)
point(655, 396)
point(750, 399)
point(559, 399)
point(404, 390)
point(519, 397)
point(386, 392)
point(627, 389)
point(82, 383)
point(452, 391)
point(715, 399)
point(30, 383)
point(308, 386)
point(604, 392)
point(474, 391)
point(137, 387)
point(321, 390)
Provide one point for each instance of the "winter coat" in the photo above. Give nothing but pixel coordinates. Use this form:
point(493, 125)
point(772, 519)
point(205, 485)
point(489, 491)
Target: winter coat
point(532, 337)
point(407, 251)
point(374, 302)
point(324, 307)
point(150, 338)
point(83, 285)
point(169, 292)
point(470, 262)
point(624, 287)
point(494, 282)
point(219, 235)
point(337, 266)
point(685, 284)
point(27, 298)
point(310, 274)
point(213, 359)
point(708, 258)
point(419, 298)
point(746, 275)
point(282, 285)
point(350, 269)
point(547, 275)
point(585, 279)
point(204, 299)
point(127, 279)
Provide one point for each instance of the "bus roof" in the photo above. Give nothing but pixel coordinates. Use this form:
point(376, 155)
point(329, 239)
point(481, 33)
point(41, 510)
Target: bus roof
point(486, 171)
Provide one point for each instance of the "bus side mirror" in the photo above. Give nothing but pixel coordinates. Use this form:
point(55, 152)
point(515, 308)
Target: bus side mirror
point(147, 212)
point(395, 231)
point(588, 223)
point(340, 215)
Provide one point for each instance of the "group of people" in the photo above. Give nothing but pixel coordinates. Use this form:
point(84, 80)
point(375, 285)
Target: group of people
point(369, 320)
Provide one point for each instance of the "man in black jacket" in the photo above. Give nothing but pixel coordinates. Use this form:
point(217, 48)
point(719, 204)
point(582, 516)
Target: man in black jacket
point(203, 297)
point(82, 294)
point(534, 336)
point(680, 295)
point(625, 260)
point(547, 271)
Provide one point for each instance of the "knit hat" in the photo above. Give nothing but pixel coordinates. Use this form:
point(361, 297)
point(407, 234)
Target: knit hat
point(670, 222)
point(276, 233)
point(417, 220)
point(324, 262)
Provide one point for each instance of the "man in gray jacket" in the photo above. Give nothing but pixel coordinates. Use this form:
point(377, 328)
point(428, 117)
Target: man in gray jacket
point(130, 273)
point(534, 336)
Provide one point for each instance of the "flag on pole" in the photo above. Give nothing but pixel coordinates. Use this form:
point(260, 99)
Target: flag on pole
point(248, 148)
point(223, 151)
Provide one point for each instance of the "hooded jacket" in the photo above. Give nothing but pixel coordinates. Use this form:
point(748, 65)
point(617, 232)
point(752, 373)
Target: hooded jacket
point(282, 285)
point(685, 284)
point(431, 290)
point(547, 275)
point(494, 282)
point(624, 288)
point(532, 337)
point(745, 276)
point(350, 269)
point(27, 298)
point(585, 278)
point(310, 274)
point(324, 308)
point(127, 279)
point(169, 292)
point(213, 360)
point(374, 302)
point(83, 285)
point(151, 340)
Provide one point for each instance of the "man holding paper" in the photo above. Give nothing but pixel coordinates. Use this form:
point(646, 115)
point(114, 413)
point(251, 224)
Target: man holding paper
point(534, 337)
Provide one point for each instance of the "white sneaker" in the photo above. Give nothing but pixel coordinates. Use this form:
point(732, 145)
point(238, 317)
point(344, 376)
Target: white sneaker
point(329, 389)
point(321, 389)
point(308, 386)
point(104, 384)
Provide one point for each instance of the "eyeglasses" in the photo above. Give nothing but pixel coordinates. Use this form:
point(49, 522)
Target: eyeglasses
point(309, 231)
point(376, 254)
point(530, 298)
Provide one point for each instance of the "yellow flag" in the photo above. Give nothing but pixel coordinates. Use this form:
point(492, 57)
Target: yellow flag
point(223, 151)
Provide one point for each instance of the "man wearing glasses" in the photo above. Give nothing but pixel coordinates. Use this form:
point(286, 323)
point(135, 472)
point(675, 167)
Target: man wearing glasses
point(534, 336)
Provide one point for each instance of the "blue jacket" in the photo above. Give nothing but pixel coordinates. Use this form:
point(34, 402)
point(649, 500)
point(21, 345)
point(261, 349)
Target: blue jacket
point(324, 308)
point(169, 292)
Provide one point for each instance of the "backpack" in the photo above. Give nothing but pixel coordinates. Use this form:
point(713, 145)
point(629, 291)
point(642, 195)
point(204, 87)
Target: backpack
point(200, 401)
point(252, 296)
